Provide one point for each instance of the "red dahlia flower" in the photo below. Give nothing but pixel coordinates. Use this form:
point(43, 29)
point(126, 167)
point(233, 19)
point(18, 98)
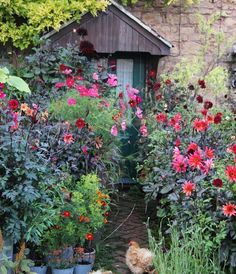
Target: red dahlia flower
point(200, 125)
point(204, 112)
point(210, 119)
point(132, 103)
point(188, 187)
point(70, 82)
point(202, 83)
point(217, 182)
point(192, 147)
point(138, 99)
point(179, 164)
point(229, 210)
point(89, 236)
point(209, 153)
point(233, 149)
point(218, 118)
point(231, 173)
point(13, 104)
point(195, 160)
point(68, 138)
point(80, 123)
point(158, 97)
point(177, 142)
point(66, 214)
point(161, 118)
point(156, 86)
point(208, 104)
point(152, 73)
point(87, 48)
point(168, 82)
point(199, 99)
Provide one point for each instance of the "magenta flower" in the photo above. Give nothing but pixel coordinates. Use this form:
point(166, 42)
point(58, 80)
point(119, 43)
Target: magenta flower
point(82, 90)
point(112, 80)
point(123, 125)
point(2, 95)
point(176, 152)
point(71, 101)
point(139, 113)
point(114, 130)
point(93, 91)
point(85, 150)
point(59, 85)
point(180, 164)
point(144, 130)
point(95, 76)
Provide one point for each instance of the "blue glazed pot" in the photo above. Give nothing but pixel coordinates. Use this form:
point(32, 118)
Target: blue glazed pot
point(83, 268)
point(39, 269)
point(63, 271)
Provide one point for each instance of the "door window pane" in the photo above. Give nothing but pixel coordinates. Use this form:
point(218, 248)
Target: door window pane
point(124, 69)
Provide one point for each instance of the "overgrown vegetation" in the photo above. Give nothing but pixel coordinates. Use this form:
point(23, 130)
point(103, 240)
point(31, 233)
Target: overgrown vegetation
point(184, 253)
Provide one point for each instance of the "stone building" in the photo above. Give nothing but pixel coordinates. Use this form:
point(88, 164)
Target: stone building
point(179, 25)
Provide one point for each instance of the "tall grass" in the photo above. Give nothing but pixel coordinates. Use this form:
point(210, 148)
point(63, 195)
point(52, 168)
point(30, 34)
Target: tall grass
point(185, 254)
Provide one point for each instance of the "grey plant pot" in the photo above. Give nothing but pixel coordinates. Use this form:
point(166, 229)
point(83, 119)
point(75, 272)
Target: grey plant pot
point(89, 257)
point(83, 268)
point(39, 269)
point(63, 271)
point(8, 251)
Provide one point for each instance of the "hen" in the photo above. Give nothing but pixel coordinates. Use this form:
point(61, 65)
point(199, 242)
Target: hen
point(139, 260)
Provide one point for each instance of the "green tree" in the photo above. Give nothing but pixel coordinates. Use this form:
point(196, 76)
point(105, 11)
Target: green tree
point(23, 21)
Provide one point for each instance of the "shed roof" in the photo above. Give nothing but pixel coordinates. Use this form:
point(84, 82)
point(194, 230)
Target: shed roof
point(115, 30)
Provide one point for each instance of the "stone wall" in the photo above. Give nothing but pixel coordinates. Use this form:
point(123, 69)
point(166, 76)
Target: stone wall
point(179, 25)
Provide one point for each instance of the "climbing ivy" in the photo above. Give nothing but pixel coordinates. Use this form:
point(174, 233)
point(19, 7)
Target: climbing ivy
point(23, 21)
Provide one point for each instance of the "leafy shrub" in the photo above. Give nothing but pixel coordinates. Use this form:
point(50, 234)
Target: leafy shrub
point(189, 154)
point(83, 213)
point(27, 201)
point(185, 253)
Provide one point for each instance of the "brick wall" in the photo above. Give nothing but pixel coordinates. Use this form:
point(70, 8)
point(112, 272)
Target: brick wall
point(179, 26)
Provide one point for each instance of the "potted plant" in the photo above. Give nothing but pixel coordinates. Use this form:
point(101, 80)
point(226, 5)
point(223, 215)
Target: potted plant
point(61, 261)
point(38, 257)
point(82, 213)
point(27, 185)
point(84, 263)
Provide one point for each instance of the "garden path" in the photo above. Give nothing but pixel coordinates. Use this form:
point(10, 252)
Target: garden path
point(127, 223)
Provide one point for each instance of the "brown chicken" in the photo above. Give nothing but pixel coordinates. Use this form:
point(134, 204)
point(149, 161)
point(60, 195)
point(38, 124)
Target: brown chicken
point(139, 260)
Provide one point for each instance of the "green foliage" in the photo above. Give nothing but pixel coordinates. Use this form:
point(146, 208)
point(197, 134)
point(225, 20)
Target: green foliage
point(16, 82)
point(98, 117)
point(87, 207)
point(206, 63)
point(23, 22)
point(42, 71)
point(185, 253)
point(163, 184)
point(27, 200)
point(20, 267)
